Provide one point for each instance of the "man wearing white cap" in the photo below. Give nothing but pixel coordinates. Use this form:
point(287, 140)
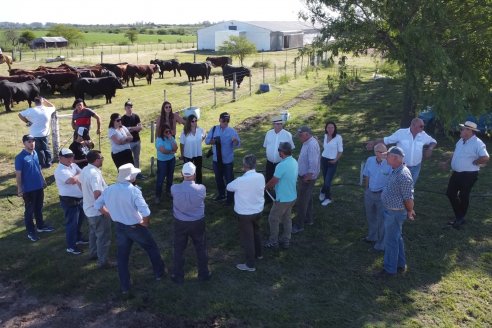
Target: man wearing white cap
point(130, 213)
point(470, 153)
point(67, 180)
point(272, 139)
point(189, 222)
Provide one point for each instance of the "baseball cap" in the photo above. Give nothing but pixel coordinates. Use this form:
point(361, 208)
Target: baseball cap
point(188, 169)
point(27, 137)
point(277, 119)
point(304, 129)
point(66, 152)
point(129, 103)
point(225, 115)
point(397, 151)
point(77, 101)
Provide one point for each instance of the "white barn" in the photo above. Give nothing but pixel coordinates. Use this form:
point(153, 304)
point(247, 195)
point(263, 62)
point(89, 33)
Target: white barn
point(267, 36)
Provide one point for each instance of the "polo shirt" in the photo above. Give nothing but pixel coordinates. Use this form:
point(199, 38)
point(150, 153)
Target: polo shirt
point(62, 174)
point(466, 152)
point(272, 141)
point(248, 192)
point(286, 171)
point(188, 201)
point(28, 164)
point(91, 180)
point(227, 147)
point(377, 173)
point(412, 147)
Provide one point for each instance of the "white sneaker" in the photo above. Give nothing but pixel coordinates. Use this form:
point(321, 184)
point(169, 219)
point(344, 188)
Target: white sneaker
point(322, 196)
point(244, 267)
point(326, 202)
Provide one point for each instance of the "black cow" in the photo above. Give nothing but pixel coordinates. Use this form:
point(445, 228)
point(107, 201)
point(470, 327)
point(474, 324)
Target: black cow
point(219, 61)
point(228, 72)
point(28, 90)
point(98, 86)
point(167, 65)
point(118, 69)
point(194, 70)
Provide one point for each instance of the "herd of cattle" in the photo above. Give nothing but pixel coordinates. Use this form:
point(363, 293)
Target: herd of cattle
point(104, 79)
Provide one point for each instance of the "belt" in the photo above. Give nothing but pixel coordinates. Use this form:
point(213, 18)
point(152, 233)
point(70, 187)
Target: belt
point(396, 209)
point(377, 192)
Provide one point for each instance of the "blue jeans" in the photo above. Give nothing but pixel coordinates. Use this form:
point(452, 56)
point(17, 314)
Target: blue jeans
point(165, 169)
point(125, 236)
point(415, 170)
point(394, 249)
point(44, 154)
point(74, 218)
point(328, 170)
point(375, 218)
point(224, 173)
point(33, 207)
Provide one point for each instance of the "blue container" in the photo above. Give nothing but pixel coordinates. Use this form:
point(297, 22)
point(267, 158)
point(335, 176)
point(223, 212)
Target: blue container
point(264, 87)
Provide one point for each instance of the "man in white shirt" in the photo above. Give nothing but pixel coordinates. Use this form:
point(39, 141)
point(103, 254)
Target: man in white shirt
point(130, 212)
point(414, 142)
point(470, 153)
point(93, 185)
point(248, 205)
point(67, 180)
point(38, 118)
point(272, 139)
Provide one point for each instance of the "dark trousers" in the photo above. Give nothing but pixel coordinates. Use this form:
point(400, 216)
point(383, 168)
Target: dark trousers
point(269, 170)
point(459, 188)
point(74, 218)
point(198, 163)
point(224, 173)
point(125, 236)
point(123, 157)
point(249, 235)
point(33, 208)
point(165, 170)
point(304, 204)
point(196, 231)
point(43, 150)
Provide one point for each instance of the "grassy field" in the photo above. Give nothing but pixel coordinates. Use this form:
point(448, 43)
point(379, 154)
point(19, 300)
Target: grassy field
point(324, 280)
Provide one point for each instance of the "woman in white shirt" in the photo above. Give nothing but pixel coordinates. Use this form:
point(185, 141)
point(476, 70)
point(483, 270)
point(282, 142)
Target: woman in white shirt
point(191, 145)
point(332, 151)
point(120, 139)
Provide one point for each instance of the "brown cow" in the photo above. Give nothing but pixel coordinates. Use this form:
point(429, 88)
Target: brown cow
point(219, 61)
point(17, 78)
point(140, 71)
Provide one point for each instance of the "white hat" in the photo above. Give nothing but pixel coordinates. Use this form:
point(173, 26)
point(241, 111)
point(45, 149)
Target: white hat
point(127, 172)
point(470, 125)
point(65, 152)
point(188, 169)
point(277, 119)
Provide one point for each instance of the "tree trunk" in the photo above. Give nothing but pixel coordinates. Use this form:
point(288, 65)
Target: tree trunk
point(410, 96)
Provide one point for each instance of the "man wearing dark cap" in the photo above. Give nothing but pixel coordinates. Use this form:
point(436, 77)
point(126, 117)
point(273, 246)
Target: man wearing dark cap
point(67, 176)
point(469, 155)
point(81, 116)
point(397, 199)
point(284, 180)
point(223, 140)
point(38, 118)
point(30, 185)
point(133, 124)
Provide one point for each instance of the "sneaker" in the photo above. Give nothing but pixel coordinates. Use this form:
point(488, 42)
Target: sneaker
point(32, 237)
point(296, 229)
point(402, 269)
point(326, 202)
point(270, 244)
point(322, 196)
point(82, 241)
point(45, 228)
point(74, 251)
point(259, 257)
point(244, 267)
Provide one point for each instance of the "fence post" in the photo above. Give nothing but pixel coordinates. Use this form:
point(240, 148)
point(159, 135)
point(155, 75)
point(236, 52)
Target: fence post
point(295, 69)
point(102, 56)
point(191, 94)
point(165, 95)
point(215, 94)
point(55, 135)
point(285, 68)
point(234, 86)
point(263, 74)
point(275, 73)
point(250, 86)
point(152, 131)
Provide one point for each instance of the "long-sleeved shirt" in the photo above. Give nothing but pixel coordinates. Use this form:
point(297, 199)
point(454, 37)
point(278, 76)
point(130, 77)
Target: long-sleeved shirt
point(188, 201)
point(309, 158)
point(226, 144)
point(271, 142)
point(412, 147)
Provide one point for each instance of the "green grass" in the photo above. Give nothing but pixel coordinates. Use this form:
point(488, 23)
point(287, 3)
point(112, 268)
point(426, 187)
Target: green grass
point(324, 280)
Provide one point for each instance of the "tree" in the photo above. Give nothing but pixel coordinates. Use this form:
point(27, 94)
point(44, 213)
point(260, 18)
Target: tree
point(72, 34)
point(12, 36)
point(238, 46)
point(443, 47)
point(26, 37)
point(131, 35)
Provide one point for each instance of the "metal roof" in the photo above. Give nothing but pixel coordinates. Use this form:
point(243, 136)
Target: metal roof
point(51, 39)
point(284, 26)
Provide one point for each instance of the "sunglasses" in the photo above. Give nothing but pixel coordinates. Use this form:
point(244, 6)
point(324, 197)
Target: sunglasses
point(167, 107)
point(167, 132)
point(194, 121)
point(118, 120)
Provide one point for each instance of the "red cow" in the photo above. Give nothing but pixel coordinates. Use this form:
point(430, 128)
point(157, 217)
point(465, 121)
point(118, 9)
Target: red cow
point(140, 71)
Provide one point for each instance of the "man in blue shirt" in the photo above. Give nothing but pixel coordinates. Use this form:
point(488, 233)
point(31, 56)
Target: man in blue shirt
point(223, 140)
point(189, 221)
point(30, 185)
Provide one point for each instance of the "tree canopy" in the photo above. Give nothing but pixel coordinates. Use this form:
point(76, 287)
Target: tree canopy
point(132, 35)
point(238, 46)
point(70, 33)
point(444, 47)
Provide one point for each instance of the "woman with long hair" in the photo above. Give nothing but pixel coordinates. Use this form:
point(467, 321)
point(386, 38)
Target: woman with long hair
point(120, 139)
point(190, 144)
point(166, 161)
point(332, 151)
point(167, 117)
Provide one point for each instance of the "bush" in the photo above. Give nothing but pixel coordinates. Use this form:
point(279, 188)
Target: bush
point(284, 79)
point(260, 64)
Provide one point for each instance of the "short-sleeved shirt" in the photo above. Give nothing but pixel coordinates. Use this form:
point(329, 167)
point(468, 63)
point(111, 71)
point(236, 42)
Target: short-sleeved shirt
point(249, 190)
point(192, 143)
point(272, 141)
point(83, 118)
point(378, 173)
point(62, 174)
point(333, 147)
point(398, 189)
point(226, 144)
point(131, 121)
point(121, 134)
point(80, 151)
point(167, 143)
point(40, 117)
point(188, 201)
point(28, 164)
point(91, 180)
point(286, 171)
point(412, 147)
point(466, 152)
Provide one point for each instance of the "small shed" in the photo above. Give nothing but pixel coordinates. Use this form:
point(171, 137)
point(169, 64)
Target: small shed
point(49, 42)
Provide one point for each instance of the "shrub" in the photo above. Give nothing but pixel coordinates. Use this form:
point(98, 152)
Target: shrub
point(260, 64)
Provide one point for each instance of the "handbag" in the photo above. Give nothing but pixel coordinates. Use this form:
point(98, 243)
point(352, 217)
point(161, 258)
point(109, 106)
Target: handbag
point(210, 152)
